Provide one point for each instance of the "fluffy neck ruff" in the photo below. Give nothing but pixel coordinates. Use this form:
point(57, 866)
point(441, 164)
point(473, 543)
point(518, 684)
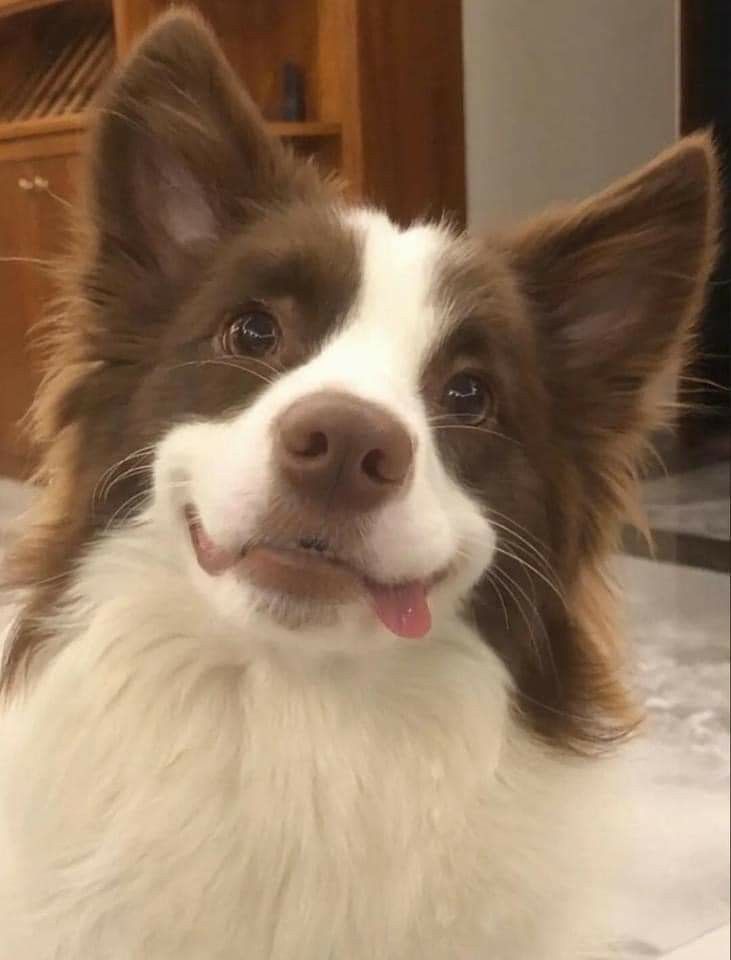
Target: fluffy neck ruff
point(200, 789)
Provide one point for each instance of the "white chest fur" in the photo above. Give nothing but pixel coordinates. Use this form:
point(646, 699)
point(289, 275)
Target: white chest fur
point(163, 798)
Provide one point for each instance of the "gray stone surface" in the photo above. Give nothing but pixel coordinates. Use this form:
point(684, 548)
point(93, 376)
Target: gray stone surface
point(693, 502)
point(677, 885)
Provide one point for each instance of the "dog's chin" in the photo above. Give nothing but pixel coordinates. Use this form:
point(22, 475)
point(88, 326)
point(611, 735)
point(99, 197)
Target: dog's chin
point(300, 614)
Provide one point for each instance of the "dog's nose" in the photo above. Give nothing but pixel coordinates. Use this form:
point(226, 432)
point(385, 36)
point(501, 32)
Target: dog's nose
point(343, 451)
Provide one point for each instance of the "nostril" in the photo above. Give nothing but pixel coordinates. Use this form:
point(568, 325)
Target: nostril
point(311, 445)
point(374, 465)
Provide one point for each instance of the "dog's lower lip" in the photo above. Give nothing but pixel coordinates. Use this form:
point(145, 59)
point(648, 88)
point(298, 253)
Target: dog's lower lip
point(308, 572)
point(300, 573)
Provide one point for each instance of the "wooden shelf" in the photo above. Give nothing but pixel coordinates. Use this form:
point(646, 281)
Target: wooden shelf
point(43, 126)
point(73, 122)
point(304, 128)
point(68, 57)
point(9, 7)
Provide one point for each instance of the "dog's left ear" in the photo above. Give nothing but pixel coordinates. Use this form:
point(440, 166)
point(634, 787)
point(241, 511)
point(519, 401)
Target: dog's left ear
point(615, 284)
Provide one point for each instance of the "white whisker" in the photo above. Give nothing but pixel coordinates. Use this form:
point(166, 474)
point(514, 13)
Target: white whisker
point(528, 566)
point(472, 426)
point(241, 367)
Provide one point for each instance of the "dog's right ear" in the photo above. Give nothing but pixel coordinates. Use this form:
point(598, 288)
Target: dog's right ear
point(180, 152)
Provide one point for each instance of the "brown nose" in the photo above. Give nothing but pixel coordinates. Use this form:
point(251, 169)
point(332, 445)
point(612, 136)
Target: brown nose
point(343, 451)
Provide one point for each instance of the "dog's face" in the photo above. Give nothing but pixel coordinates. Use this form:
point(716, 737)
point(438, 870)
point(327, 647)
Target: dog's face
point(351, 429)
point(347, 408)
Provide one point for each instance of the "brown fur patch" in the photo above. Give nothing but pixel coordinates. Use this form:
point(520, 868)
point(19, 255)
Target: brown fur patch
point(579, 324)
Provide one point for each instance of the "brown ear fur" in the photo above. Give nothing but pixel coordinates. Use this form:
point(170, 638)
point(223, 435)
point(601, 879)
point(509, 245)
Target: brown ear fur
point(615, 285)
point(180, 150)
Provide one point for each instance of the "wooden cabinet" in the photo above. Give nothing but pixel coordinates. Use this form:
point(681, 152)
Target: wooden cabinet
point(34, 194)
point(382, 106)
point(16, 307)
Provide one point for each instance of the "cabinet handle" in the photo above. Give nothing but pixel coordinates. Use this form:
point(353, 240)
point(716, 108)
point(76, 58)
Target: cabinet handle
point(37, 183)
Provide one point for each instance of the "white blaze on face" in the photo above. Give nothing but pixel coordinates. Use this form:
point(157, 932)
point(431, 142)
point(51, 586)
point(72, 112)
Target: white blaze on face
point(381, 349)
point(378, 353)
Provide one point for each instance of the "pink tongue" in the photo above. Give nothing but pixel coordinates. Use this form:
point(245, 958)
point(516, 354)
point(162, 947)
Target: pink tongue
point(403, 609)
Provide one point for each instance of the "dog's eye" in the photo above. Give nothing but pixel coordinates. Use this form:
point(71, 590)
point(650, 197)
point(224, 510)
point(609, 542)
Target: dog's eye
point(466, 397)
point(252, 332)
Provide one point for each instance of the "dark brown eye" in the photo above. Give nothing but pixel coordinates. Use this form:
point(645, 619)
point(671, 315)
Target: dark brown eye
point(466, 398)
point(253, 332)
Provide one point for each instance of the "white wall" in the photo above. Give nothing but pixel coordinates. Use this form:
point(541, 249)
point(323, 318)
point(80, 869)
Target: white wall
point(561, 96)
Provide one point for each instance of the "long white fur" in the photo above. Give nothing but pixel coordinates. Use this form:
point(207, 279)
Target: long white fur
point(187, 780)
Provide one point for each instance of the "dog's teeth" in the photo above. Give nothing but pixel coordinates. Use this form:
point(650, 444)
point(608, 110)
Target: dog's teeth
point(313, 543)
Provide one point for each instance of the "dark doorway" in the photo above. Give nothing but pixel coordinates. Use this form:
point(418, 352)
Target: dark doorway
point(706, 102)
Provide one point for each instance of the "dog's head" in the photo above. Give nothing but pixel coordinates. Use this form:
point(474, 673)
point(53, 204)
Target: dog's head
point(351, 429)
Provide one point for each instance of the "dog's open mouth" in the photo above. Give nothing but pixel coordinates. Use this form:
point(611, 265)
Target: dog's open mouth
point(307, 570)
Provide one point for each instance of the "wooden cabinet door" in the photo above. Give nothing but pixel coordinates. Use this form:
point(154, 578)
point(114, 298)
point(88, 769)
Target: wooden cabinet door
point(34, 205)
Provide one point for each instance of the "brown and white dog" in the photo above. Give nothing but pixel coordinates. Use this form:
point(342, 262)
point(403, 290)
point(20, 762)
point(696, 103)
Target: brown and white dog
point(317, 656)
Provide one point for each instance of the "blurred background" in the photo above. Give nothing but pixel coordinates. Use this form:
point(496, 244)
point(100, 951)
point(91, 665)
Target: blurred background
point(492, 110)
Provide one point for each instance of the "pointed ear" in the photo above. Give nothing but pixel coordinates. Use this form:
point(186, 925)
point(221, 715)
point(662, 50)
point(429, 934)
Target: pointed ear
point(180, 152)
point(615, 284)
